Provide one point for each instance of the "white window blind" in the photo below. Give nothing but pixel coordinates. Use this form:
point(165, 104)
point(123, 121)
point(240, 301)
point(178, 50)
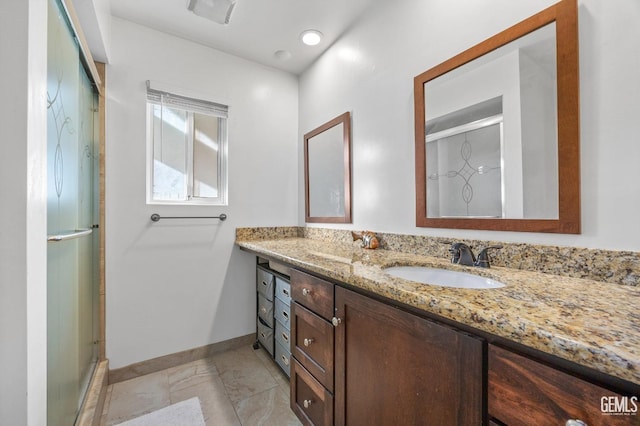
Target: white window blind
point(189, 104)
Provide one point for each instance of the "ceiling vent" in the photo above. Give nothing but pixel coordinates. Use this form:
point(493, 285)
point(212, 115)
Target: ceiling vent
point(215, 10)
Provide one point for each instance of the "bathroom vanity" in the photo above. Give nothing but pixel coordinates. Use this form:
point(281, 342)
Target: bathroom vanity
point(368, 348)
point(369, 351)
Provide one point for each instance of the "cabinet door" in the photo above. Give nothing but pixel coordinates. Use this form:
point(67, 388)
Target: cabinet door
point(393, 367)
point(312, 292)
point(525, 392)
point(312, 403)
point(313, 344)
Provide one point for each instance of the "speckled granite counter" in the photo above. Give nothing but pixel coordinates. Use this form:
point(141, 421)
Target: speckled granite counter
point(588, 322)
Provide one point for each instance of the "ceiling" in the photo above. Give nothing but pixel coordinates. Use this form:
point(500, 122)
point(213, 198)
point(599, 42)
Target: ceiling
point(257, 29)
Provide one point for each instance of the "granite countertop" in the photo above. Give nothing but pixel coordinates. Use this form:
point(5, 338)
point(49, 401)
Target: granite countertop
point(588, 322)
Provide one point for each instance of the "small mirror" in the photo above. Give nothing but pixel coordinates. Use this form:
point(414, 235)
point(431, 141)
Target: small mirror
point(497, 132)
point(327, 172)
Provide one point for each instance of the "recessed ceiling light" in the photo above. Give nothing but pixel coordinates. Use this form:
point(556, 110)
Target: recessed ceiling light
point(311, 37)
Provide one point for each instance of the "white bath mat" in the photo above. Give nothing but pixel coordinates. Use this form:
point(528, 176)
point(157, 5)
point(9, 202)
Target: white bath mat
point(185, 413)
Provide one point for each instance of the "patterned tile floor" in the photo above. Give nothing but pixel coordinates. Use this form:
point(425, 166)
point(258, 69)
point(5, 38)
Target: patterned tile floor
point(238, 387)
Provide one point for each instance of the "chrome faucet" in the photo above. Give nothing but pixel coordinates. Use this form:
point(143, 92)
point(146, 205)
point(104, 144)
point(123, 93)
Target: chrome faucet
point(463, 255)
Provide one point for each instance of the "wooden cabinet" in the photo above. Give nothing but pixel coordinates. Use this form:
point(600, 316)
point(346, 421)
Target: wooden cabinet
point(313, 344)
point(312, 373)
point(359, 361)
point(393, 367)
point(525, 392)
point(362, 362)
point(312, 402)
point(314, 293)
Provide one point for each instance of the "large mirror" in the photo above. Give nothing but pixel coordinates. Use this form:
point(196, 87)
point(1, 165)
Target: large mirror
point(497, 131)
point(327, 171)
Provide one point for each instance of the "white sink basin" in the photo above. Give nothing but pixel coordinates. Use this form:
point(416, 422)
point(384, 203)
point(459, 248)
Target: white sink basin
point(442, 277)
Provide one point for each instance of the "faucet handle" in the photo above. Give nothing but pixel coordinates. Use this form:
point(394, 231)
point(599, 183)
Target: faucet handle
point(483, 257)
point(462, 254)
point(454, 249)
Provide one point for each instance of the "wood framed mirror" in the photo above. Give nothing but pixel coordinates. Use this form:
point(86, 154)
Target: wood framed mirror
point(497, 132)
point(327, 172)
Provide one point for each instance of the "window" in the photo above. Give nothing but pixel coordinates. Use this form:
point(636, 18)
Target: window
point(187, 141)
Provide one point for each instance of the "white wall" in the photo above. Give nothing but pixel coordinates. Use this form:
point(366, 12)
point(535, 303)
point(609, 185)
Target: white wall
point(540, 160)
point(370, 71)
point(23, 215)
point(95, 18)
point(176, 285)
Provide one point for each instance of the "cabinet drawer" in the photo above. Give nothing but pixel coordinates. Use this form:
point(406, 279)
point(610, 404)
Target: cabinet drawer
point(311, 402)
point(283, 290)
point(313, 344)
point(283, 335)
point(265, 336)
point(525, 392)
point(265, 283)
point(312, 292)
point(265, 310)
point(283, 358)
point(283, 313)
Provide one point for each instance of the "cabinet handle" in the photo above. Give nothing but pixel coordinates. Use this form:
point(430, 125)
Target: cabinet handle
point(308, 342)
point(263, 310)
point(285, 360)
point(285, 337)
point(307, 403)
point(306, 292)
point(336, 321)
point(284, 314)
point(575, 422)
point(285, 291)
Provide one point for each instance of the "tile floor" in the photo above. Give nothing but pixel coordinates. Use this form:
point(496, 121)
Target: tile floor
point(237, 387)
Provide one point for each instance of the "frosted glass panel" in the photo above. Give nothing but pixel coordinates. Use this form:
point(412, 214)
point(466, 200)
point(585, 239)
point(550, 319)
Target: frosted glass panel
point(465, 176)
point(72, 292)
point(88, 248)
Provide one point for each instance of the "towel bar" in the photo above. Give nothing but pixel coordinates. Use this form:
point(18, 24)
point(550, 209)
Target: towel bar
point(156, 217)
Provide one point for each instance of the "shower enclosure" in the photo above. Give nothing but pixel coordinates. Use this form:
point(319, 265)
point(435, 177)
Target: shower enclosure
point(72, 222)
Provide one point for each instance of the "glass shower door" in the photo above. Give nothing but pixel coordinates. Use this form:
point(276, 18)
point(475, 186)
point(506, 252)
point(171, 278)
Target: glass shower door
point(72, 287)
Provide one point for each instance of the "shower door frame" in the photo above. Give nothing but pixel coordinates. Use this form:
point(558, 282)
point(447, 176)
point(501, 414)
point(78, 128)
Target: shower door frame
point(94, 397)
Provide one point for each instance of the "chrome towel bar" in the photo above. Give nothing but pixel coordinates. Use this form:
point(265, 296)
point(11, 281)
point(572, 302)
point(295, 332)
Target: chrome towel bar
point(78, 233)
point(156, 217)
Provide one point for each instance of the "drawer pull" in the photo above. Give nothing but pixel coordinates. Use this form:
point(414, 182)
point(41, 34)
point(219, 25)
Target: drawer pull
point(285, 291)
point(308, 342)
point(285, 360)
point(285, 337)
point(264, 283)
point(307, 403)
point(306, 292)
point(285, 314)
point(336, 321)
point(575, 422)
point(263, 310)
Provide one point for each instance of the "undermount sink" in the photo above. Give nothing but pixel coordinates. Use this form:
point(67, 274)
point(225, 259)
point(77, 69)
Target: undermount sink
point(442, 277)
